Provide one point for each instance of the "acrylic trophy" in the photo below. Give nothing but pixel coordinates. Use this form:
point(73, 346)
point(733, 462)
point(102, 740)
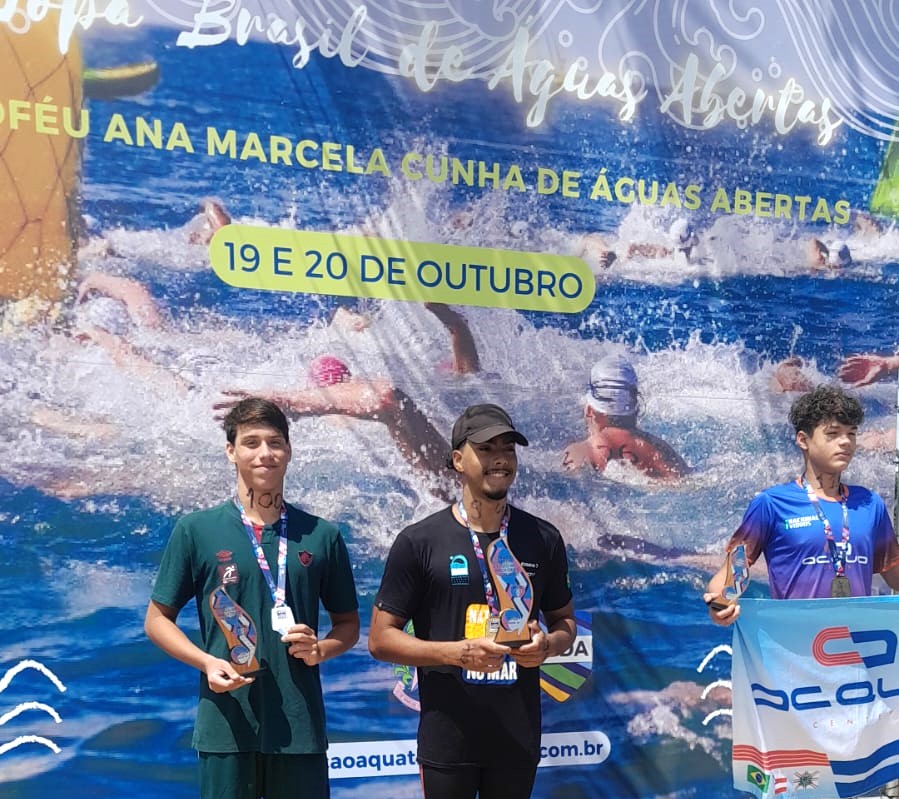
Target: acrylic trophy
point(737, 579)
point(514, 593)
point(239, 630)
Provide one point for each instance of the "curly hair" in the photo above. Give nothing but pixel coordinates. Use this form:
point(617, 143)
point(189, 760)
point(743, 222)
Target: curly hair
point(822, 404)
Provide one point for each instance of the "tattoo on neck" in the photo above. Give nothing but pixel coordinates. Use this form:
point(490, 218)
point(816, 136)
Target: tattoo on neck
point(265, 501)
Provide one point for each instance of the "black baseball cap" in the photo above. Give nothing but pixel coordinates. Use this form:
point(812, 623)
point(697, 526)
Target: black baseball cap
point(480, 423)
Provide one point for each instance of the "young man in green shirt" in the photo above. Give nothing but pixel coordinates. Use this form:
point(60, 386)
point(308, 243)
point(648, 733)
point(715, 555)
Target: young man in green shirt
point(258, 568)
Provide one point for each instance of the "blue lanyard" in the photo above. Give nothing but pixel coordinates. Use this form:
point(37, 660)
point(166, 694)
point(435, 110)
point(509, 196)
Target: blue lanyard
point(277, 591)
point(479, 553)
point(838, 552)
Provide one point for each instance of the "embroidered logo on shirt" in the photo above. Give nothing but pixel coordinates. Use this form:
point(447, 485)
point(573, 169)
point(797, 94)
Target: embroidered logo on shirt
point(458, 570)
point(305, 558)
point(224, 555)
point(228, 574)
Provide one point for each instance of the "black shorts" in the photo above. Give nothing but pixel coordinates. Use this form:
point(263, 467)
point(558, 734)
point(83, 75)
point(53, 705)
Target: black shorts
point(466, 782)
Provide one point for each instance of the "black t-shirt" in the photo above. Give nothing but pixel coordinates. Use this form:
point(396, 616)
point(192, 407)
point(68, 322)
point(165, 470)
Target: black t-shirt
point(432, 577)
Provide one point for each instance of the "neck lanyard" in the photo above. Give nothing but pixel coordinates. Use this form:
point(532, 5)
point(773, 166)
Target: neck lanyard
point(479, 553)
point(838, 551)
point(277, 591)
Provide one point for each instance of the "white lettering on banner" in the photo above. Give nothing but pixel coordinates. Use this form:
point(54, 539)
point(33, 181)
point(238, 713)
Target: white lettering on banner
point(21, 14)
point(695, 94)
point(213, 24)
point(358, 759)
point(701, 97)
point(372, 759)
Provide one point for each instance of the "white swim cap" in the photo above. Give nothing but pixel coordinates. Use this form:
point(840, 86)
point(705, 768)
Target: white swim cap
point(681, 234)
point(107, 314)
point(613, 387)
point(838, 254)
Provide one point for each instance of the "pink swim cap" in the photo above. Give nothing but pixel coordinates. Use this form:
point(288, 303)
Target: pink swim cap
point(326, 370)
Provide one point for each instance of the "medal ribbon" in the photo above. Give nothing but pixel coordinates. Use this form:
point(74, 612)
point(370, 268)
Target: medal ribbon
point(482, 563)
point(277, 591)
point(837, 551)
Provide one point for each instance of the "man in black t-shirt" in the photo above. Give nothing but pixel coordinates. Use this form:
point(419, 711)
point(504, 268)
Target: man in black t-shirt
point(479, 731)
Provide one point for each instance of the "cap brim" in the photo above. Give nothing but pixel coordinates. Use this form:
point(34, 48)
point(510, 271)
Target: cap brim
point(497, 430)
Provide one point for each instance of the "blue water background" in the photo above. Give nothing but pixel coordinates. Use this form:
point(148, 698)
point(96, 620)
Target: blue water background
point(76, 573)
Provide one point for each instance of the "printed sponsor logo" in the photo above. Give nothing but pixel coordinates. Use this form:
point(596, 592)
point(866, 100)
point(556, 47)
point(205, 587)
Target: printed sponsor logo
point(878, 649)
point(458, 570)
point(799, 521)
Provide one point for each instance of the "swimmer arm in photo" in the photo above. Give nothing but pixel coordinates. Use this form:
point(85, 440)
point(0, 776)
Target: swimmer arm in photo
point(864, 370)
point(375, 399)
point(108, 310)
point(133, 295)
point(203, 226)
point(465, 352)
point(465, 360)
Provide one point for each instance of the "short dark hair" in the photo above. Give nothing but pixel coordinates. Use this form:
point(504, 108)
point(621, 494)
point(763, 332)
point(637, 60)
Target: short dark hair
point(822, 404)
point(255, 410)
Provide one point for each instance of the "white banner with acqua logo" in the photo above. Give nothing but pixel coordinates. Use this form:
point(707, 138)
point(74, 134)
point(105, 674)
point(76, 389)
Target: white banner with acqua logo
point(816, 697)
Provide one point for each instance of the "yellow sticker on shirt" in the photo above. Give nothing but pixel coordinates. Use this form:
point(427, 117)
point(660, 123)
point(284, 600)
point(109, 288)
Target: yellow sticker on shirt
point(476, 621)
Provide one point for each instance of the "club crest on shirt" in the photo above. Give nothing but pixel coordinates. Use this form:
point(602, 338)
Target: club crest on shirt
point(305, 558)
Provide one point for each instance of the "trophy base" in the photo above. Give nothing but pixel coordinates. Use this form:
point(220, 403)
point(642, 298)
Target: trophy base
point(720, 603)
point(252, 672)
point(512, 630)
point(512, 644)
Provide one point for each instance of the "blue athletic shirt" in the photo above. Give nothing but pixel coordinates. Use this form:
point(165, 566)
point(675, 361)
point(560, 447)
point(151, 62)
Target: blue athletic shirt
point(782, 524)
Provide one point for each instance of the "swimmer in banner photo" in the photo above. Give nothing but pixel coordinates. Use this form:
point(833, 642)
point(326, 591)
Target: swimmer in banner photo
point(820, 536)
point(333, 390)
point(611, 407)
point(479, 732)
point(258, 568)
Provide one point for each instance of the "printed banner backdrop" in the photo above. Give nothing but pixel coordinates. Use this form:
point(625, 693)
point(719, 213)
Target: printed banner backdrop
point(814, 700)
point(378, 214)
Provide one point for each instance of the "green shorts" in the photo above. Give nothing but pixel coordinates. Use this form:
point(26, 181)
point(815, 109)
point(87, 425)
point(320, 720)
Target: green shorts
point(253, 775)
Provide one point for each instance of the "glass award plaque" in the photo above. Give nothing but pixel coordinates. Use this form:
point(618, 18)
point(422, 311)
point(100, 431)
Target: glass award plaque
point(737, 579)
point(514, 594)
point(239, 630)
